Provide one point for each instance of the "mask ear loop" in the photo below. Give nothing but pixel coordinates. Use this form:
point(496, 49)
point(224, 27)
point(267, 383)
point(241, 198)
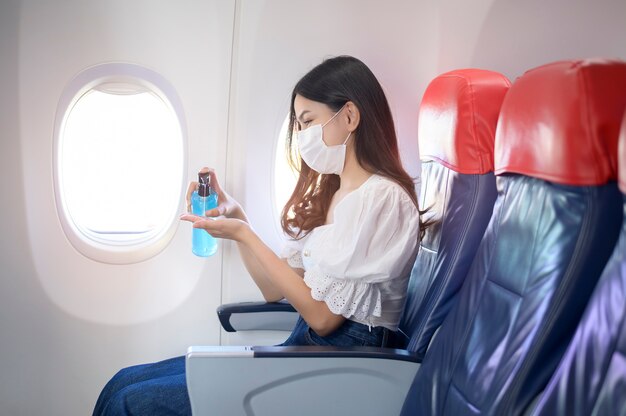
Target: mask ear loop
point(335, 115)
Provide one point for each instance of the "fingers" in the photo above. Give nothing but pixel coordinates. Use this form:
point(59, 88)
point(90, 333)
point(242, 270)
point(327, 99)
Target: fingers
point(216, 212)
point(222, 198)
point(218, 227)
point(214, 182)
point(200, 222)
point(197, 218)
point(191, 218)
point(210, 225)
point(193, 186)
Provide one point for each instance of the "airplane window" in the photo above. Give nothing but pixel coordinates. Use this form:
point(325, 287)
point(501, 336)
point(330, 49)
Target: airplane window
point(285, 177)
point(120, 165)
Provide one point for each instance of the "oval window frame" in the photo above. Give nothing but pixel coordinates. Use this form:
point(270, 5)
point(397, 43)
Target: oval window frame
point(279, 157)
point(99, 249)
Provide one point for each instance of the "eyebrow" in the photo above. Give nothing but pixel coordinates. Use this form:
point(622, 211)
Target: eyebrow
point(302, 114)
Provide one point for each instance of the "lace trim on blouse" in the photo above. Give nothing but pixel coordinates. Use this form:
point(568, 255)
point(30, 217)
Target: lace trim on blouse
point(294, 260)
point(349, 298)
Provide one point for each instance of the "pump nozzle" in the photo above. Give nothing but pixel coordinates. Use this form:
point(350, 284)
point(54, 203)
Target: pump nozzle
point(204, 184)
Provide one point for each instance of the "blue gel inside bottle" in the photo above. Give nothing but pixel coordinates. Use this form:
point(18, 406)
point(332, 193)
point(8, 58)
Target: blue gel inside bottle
point(202, 200)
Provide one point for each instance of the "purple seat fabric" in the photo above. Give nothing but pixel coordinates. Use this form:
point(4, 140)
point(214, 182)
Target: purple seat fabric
point(591, 378)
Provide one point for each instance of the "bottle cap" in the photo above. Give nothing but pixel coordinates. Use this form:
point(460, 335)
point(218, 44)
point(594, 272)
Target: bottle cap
point(204, 184)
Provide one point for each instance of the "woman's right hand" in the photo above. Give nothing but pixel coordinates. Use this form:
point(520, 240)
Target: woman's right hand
point(226, 204)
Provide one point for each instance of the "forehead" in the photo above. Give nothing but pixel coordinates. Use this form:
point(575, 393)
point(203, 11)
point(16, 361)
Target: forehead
point(301, 104)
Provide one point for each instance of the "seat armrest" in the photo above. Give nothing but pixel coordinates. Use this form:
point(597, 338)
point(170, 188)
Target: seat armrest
point(333, 352)
point(299, 380)
point(247, 316)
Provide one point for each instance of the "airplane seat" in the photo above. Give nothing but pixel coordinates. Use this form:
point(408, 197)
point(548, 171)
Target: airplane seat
point(457, 126)
point(554, 225)
point(591, 378)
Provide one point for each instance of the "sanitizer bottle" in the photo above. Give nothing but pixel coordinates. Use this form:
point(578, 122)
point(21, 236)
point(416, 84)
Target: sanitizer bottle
point(202, 200)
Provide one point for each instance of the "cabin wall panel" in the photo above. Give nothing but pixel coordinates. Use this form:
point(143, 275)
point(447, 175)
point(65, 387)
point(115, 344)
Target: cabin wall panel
point(511, 36)
point(69, 322)
point(20, 295)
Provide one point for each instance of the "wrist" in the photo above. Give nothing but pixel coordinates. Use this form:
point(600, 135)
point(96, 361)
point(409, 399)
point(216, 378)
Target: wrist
point(247, 236)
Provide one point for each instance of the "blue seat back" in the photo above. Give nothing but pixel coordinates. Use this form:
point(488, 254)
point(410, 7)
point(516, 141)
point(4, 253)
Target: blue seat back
point(457, 123)
point(554, 225)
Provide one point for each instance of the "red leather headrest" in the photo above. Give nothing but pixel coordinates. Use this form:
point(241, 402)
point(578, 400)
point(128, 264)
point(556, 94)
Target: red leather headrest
point(560, 122)
point(457, 119)
point(621, 161)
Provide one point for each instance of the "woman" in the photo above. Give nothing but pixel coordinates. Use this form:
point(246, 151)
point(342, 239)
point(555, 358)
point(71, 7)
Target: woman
point(354, 224)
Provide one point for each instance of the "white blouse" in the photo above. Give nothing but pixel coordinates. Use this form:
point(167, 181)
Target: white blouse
point(360, 264)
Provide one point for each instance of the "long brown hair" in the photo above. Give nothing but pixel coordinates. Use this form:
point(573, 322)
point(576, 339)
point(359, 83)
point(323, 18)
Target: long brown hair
point(335, 82)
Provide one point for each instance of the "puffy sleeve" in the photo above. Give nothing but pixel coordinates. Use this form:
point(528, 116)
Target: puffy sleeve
point(371, 244)
point(292, 252)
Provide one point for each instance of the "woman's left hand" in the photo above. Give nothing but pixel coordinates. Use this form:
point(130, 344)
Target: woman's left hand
point(220, 227)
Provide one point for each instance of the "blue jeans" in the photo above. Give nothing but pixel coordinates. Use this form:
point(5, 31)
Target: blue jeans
point(161, 388)
point(349, 334)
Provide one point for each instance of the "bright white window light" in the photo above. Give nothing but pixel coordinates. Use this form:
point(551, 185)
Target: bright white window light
point(119, 163)
point(285, 177)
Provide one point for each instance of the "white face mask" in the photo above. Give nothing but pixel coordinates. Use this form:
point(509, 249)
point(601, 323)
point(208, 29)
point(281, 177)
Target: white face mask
point(319, 157)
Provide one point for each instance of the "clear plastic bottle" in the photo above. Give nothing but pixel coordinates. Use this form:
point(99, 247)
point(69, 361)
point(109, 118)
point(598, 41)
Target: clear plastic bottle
point(202, 200)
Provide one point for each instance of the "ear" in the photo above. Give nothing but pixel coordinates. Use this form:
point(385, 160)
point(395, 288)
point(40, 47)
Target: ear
point(354, 116)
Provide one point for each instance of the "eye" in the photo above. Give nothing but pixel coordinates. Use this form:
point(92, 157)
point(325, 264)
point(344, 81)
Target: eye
point(300, 125)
